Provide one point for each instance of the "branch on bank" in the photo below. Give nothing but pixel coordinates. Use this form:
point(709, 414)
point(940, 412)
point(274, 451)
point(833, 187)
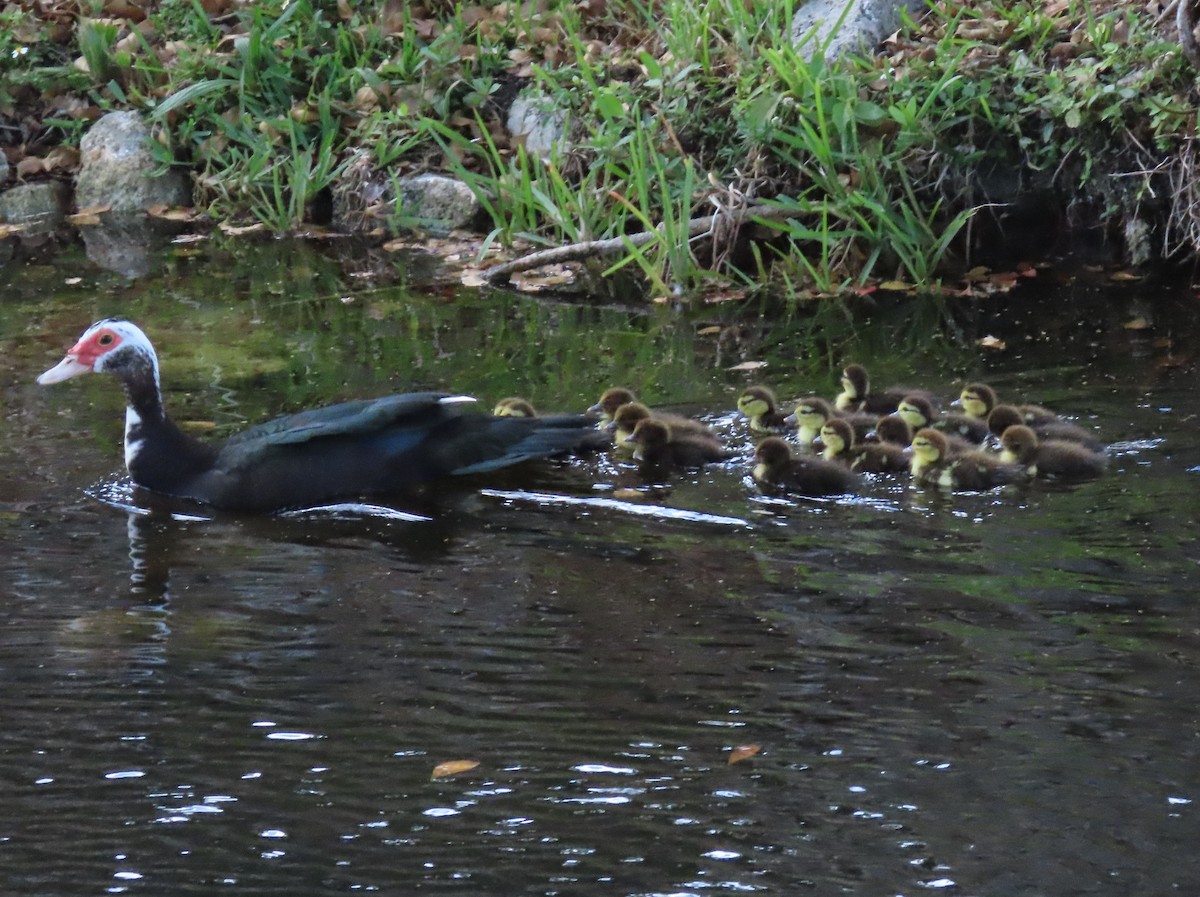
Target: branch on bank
point(574, 252)
point(1185, 21)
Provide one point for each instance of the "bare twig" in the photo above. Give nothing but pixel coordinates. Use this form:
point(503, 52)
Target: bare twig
point(1185, 20)
point(573, 252)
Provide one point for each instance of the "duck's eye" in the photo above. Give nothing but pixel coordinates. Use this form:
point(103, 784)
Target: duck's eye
point(106, 338)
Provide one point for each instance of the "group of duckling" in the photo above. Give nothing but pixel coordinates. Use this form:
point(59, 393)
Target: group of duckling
point(894, 431)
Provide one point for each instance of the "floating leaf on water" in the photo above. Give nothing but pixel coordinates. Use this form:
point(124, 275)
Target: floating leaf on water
point(747, 366)
point(743, 752)
point(473, 277)
point(897, 286)
point(1124, 276)
point(629, 495)
point(1138, 323)
point(991, 342)
point(73, 281)
point(453, 768)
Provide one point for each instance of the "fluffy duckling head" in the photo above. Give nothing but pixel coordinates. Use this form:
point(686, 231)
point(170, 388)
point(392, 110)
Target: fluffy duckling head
point(648, 437)
point(610, 401)
point(916, 411)
point(757, 402)
point(977, 400)
point(771, 456)
point(1018, 445)
point(1002, 418)
point(929, 447)
point(514, 406)
point(838, 437)
point(625, 421)
point(811, 415)
point(894, 429)
point(855, 386)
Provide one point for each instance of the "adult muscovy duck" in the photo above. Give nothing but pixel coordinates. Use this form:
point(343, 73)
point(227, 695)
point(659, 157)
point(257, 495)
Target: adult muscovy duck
point(373, 447)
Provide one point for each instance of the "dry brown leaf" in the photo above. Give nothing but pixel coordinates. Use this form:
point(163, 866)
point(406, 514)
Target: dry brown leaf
point(991, 342)
point(30, 165)
point(743, 752)
point(453, 768)
point(1124, 276)
point(897, 286)
point(8, 230)
point(1138, 323)
point(709, 331)
point(747, 366)
point(473, 277)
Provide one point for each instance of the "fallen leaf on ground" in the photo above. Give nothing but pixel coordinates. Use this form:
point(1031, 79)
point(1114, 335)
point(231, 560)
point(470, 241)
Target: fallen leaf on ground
point(453, 768)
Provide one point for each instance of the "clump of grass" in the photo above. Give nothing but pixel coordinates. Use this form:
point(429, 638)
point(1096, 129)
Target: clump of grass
point(873, 166)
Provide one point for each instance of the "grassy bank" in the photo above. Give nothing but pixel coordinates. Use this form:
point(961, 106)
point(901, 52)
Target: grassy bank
point(879, 169)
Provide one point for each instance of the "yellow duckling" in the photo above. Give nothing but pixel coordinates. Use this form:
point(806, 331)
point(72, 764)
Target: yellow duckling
point(813, 413)
point(856, 394)
point(776, 466)
point(514, 406)
point(919, 412)
point(935, 464)
point(758, 403)
point(869, 457)
point(1053, 458)
point(979, 399)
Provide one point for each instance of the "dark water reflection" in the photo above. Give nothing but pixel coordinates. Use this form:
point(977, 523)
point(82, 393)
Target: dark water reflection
point(981, 694)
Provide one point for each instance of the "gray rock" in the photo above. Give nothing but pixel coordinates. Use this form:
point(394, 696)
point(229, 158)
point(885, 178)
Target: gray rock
point(820, 23)
point(436, 202)
point(537, 124)
point(40, 207)
point(116, 168)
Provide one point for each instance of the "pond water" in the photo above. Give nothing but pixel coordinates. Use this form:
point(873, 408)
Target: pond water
point(977, 694)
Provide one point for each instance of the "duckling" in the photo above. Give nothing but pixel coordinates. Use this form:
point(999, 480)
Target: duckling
point(893, 429)
point(610, 401)
point(1005, 416)
point(1052, 458)
point(758, 403)
point(775, 465)
point(869, 457)
point(514, 406)
point(657, 445)
point(856, 393)
point(919, 413)
point(934, 463)
point(979, 399)
point(812, 414)
point(629, 415)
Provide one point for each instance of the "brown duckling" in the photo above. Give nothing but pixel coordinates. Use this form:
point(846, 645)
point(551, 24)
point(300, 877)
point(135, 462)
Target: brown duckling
point(856, 394)
point(1054, 458)
point(514, 406)
point(629, 415)
point(919, 412)
point(813, 413)
point(979, 399)
point(869, 457)
point(934, 463)
point(656, 444)
point(1005, 416)
point(775, 465)
point(758, 403)
point(610, 401)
